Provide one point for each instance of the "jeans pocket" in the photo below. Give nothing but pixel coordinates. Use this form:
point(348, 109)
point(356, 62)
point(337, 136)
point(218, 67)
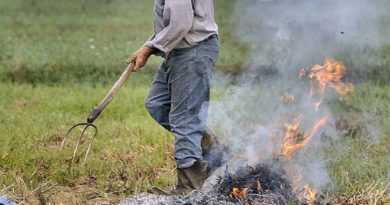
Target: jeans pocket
point(212, 53)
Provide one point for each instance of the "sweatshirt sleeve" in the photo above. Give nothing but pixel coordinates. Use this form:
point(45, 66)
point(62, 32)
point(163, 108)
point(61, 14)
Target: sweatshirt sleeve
point(180, 14)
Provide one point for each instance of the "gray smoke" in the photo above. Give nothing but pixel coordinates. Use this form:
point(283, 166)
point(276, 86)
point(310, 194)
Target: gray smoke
point(285, 36)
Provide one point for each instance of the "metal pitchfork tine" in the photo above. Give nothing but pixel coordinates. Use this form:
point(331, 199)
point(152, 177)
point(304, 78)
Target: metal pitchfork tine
point(96, 112)
point(87, 125)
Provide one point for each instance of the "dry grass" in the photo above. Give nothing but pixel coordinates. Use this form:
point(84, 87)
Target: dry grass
point(375, 194)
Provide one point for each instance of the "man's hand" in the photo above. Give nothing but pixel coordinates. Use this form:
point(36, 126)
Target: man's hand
point(140, 57)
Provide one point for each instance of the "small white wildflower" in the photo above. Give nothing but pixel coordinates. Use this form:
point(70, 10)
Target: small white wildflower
point(92, 47)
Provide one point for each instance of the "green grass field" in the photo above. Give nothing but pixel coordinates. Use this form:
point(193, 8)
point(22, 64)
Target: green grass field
point(57, 61)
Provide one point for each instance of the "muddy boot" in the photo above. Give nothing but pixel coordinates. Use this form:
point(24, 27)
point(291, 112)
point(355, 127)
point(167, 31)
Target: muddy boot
point(188, 179)
point(214, 152)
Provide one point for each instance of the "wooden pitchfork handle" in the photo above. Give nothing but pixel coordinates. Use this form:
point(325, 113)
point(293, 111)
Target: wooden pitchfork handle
point(111, 94)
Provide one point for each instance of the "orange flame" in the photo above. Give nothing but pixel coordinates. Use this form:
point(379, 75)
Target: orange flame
point(309, 194)
point(292, 134)
point(258, 186)
point(330, 74)
point(235, 192)
point(240, 194)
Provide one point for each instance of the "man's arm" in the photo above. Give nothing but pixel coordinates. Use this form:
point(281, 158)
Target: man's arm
point(180, 15)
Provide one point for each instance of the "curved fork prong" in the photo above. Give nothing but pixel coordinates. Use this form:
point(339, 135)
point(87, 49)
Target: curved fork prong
point(90, 143)
point(87, 125)
point(78, 142)
point(70, 130)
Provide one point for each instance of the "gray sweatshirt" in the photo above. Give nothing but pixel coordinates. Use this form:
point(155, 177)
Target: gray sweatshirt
point(181, 24)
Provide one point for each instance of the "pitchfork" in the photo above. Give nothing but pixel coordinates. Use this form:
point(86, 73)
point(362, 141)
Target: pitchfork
point(96, 112)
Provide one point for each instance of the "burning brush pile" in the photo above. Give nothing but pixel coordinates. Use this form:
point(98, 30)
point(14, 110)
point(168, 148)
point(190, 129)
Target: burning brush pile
point(276, 174)
point(256, 185)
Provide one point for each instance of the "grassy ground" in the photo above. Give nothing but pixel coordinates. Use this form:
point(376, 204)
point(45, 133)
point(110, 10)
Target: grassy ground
point(133, 153)
point(359, 161)
point(59, 58)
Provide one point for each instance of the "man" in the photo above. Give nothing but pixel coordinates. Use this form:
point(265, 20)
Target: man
point(186, 36)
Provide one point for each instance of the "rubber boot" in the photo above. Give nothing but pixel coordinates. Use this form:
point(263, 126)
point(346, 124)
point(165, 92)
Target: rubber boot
point(188, 179)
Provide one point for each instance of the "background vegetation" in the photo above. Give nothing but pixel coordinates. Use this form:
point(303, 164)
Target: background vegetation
point(59, 58)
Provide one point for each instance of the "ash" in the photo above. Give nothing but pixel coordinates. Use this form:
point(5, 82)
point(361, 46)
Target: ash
point(198, 198)
point(195, 197)
point(274, 189)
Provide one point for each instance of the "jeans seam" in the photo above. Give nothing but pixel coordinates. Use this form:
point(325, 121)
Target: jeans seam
point(188, 84)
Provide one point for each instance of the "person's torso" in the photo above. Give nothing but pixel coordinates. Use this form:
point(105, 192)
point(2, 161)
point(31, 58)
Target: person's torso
point(203, 25)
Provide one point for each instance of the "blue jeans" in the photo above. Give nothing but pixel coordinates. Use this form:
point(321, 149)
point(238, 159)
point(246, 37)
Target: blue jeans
point(179, 96)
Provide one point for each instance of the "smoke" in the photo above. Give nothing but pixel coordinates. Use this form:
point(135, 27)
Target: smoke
point(285, 36)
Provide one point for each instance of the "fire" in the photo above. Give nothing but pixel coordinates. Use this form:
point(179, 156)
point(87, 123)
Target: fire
point(330, 74)
point(236, 193)
point(294, 139)
point(290, 145)
point(258, 186)
point(309, 194)
point(240, 194)
point(297, 136)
